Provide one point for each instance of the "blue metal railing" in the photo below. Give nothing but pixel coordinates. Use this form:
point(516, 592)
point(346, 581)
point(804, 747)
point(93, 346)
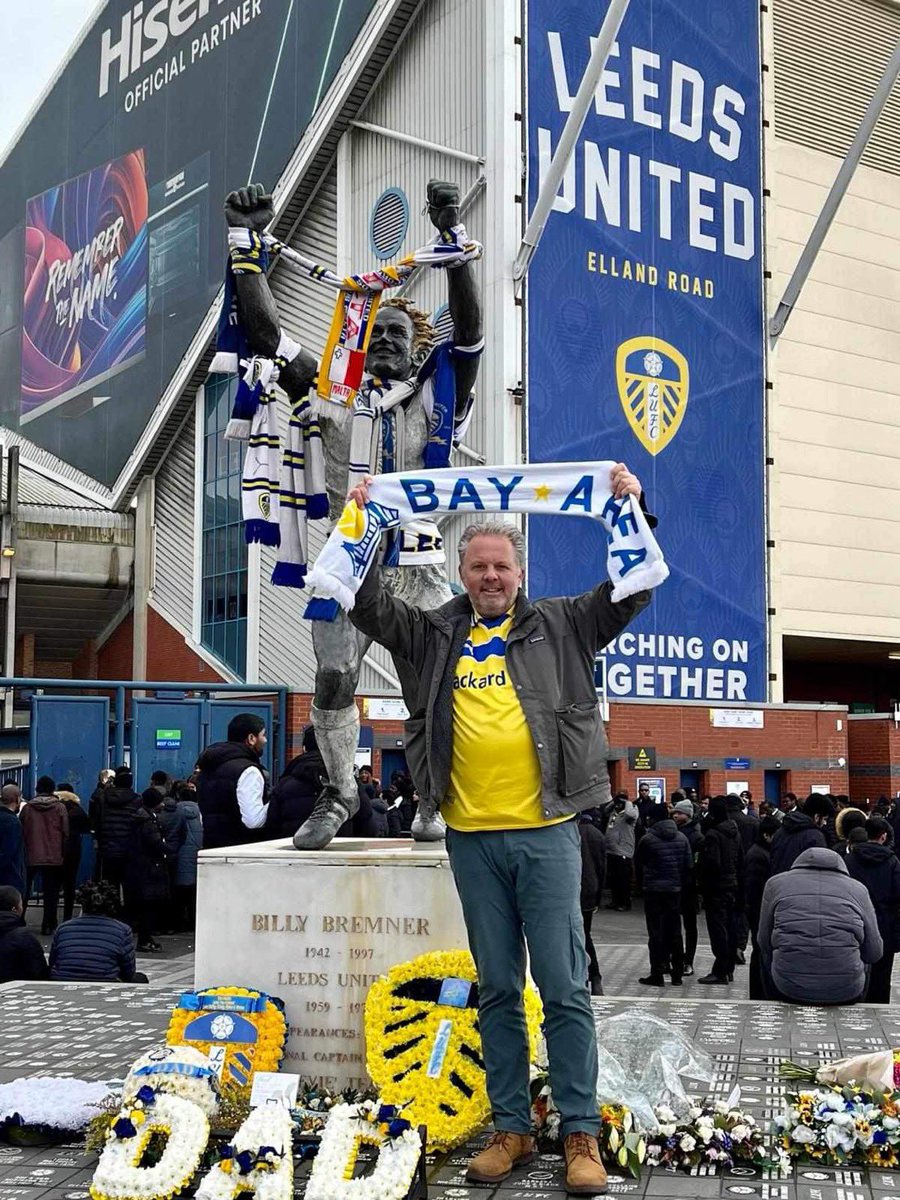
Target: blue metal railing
point(122, 686)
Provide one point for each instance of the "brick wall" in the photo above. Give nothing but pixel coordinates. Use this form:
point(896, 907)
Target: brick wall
point(116, 656)
point(874, 758)
point(804, 743)
point(169, 658)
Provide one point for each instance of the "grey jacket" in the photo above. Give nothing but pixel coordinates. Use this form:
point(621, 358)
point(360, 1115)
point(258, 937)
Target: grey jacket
point(817, 930)
point(550, 654)
point(621, 830)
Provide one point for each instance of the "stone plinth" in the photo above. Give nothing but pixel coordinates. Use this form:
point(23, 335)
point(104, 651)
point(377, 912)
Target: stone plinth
point(317, 929)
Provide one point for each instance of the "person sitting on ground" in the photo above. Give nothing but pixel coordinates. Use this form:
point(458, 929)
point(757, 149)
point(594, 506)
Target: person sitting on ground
point(802, 829)
point(593, 874)
point(664, 856)
point(818, 933)
point(875, 865)
point(21, 956)
point(96, 945)
point(294, 795)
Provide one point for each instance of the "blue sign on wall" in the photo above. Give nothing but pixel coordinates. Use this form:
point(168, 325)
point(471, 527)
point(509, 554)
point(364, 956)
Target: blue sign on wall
point(645, 325)
point(737, 764)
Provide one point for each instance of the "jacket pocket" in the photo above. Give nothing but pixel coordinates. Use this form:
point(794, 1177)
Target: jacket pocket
point(582, 744)
point(417, 754)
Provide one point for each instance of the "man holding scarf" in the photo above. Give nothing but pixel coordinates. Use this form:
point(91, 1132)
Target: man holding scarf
point(505, 734)
point(404, 435)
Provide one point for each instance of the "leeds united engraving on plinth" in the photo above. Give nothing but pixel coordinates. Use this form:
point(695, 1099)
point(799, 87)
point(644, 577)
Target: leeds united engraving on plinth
point(317, 930)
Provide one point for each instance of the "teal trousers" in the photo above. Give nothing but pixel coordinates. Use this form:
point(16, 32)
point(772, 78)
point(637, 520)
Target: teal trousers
point(522, 888)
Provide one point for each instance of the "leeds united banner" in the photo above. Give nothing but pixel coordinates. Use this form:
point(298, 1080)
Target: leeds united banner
point(645, 324)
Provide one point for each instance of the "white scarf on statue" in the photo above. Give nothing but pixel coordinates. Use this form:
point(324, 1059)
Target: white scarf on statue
point(634, 561)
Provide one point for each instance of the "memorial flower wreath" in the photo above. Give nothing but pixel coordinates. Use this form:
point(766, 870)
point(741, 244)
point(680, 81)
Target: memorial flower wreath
point(241, 1030)
point(349, 1128)
point(123, 1174)
point(424, 1046)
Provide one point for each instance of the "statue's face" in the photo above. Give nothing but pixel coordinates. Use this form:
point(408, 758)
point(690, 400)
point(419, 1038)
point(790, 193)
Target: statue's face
point(391, 345)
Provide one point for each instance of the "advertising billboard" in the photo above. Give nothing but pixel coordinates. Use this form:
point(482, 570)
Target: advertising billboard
point(163, 107)
point(645, 339)
point(85, 292)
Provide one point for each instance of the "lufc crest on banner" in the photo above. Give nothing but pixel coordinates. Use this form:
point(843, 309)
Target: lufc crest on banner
point(653, 381)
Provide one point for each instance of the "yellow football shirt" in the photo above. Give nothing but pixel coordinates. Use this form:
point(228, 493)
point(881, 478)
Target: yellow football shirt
point(495, 773)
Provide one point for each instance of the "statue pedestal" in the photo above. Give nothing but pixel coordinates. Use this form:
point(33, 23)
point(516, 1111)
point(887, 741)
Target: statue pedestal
point(317, 928)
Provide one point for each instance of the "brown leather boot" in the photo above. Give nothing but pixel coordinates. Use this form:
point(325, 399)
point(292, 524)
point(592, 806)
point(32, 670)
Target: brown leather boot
point(503, 1152)
point(585, 1173)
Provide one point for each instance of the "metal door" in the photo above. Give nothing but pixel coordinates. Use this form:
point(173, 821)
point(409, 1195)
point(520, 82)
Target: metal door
point(166, 735)
point(221, 712)
point(69, 741)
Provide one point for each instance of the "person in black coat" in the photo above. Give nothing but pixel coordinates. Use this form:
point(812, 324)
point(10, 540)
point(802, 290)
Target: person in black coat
point(593, 877)
point(664, 857)
point(21, 956)
point(79, 824)
point(95, 945)
point(802, 829)
point(683, 814)
point(113, 821)
point(877, 868)
point(12, 841)
point(756, 874)
point(294, 795)
point(748, 828)
point(147, 877)
point(720, 878)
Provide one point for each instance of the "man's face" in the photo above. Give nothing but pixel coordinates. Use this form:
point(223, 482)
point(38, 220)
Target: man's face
point(365, 776)
point(257, 741)
point(390, 347)
point(490, 574)
point(643, 793)
point(680, 818)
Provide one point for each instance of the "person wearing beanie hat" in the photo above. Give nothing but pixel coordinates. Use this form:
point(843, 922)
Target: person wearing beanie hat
point(146, 874)
point(45, 829)
point(664, 856)
point(686, 818)
point(720, 877)
point(115, 807)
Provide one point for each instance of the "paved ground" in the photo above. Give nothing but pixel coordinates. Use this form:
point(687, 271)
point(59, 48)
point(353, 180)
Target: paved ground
point(96, 1031)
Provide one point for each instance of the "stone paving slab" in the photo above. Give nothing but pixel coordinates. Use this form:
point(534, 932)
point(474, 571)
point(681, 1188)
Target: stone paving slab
point(95, 1031)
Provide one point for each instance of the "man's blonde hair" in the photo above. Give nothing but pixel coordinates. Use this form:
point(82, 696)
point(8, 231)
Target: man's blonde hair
point(494, 529)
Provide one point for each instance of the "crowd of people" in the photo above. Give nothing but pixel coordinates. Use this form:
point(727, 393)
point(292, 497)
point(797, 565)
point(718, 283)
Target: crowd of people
point(811, 890)
point(143, 882)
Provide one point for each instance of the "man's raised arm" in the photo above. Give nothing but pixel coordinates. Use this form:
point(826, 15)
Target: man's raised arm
point(463, 296)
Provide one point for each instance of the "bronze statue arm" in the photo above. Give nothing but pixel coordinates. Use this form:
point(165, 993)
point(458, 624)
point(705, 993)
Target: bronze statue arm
point(251, 208)
point(463, 296)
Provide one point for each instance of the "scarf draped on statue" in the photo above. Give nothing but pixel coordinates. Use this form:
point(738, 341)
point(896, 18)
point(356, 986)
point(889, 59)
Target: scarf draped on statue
point(281, 489)
point(634, 561)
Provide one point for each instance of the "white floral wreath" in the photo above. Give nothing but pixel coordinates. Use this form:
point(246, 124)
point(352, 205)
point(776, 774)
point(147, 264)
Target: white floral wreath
point(350, 1127)
point(259, 1160)
point(119, 1175)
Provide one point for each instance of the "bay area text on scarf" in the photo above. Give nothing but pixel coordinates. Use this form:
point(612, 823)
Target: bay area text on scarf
point(634, 560)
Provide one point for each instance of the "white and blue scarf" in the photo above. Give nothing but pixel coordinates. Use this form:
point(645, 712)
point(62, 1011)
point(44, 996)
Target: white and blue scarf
point(634, 561)
point(282, 491)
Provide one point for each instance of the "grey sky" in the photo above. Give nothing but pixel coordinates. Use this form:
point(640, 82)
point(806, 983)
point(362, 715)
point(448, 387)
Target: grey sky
point(35, 35)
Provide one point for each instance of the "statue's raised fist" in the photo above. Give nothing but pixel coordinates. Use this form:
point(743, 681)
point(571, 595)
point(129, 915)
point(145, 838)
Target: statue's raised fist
point(249, 208)
point(443, 203)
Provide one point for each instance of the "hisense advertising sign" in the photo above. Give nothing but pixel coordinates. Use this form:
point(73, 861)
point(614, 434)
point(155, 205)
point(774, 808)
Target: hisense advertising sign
point(111, 234)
